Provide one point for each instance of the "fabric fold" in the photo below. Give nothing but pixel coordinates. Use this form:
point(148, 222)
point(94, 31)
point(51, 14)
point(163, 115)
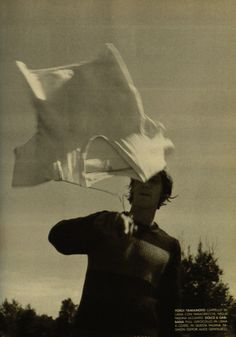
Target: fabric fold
point(91, 125)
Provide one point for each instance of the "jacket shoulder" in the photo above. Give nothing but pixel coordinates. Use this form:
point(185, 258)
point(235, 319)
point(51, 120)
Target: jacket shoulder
point(165, 240)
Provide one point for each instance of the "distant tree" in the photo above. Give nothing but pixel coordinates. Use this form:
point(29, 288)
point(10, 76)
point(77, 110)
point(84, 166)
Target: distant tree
point(45, 326)
point(65, 319)
point(25, 322)
point(9, 312)
point(18, 321)
point(202, 283)
point(203, 287)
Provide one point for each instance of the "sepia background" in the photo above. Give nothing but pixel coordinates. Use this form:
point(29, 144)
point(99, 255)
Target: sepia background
point(181, 56)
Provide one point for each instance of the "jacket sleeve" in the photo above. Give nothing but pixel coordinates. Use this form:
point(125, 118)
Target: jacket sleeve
point(79, 235)
point(170, 292)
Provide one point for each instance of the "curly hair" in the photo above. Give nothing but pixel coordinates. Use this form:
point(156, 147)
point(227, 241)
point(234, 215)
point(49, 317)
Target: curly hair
point(167, 184)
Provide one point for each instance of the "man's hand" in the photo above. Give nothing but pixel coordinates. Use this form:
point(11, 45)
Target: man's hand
point(125, 224)
point(115, 225)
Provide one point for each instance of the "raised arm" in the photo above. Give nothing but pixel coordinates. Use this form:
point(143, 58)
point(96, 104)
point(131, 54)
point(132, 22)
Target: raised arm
point(82, 235)
point(76, 236)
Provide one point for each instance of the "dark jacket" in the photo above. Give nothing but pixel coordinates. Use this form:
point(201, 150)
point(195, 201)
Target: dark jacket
point(132, 282)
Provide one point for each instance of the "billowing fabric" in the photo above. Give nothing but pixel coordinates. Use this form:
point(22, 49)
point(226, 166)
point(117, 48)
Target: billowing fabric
point(90, 125)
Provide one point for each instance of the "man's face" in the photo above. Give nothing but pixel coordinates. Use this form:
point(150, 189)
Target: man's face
point(147, 195)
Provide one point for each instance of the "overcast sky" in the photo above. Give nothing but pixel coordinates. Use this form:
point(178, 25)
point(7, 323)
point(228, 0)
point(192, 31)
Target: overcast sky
point(181, 56)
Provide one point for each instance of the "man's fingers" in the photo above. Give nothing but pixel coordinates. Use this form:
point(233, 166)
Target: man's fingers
point(124, 224)
point(128, 224)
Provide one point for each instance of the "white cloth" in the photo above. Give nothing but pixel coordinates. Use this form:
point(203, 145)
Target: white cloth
point(90, 125)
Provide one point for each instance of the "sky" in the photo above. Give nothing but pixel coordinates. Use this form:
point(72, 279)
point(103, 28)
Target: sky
point(181, 56)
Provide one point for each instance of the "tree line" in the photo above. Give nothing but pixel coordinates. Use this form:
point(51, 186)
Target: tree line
point(202, 287)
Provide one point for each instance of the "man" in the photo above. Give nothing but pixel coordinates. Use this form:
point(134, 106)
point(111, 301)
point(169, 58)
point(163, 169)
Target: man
point(131, 285)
